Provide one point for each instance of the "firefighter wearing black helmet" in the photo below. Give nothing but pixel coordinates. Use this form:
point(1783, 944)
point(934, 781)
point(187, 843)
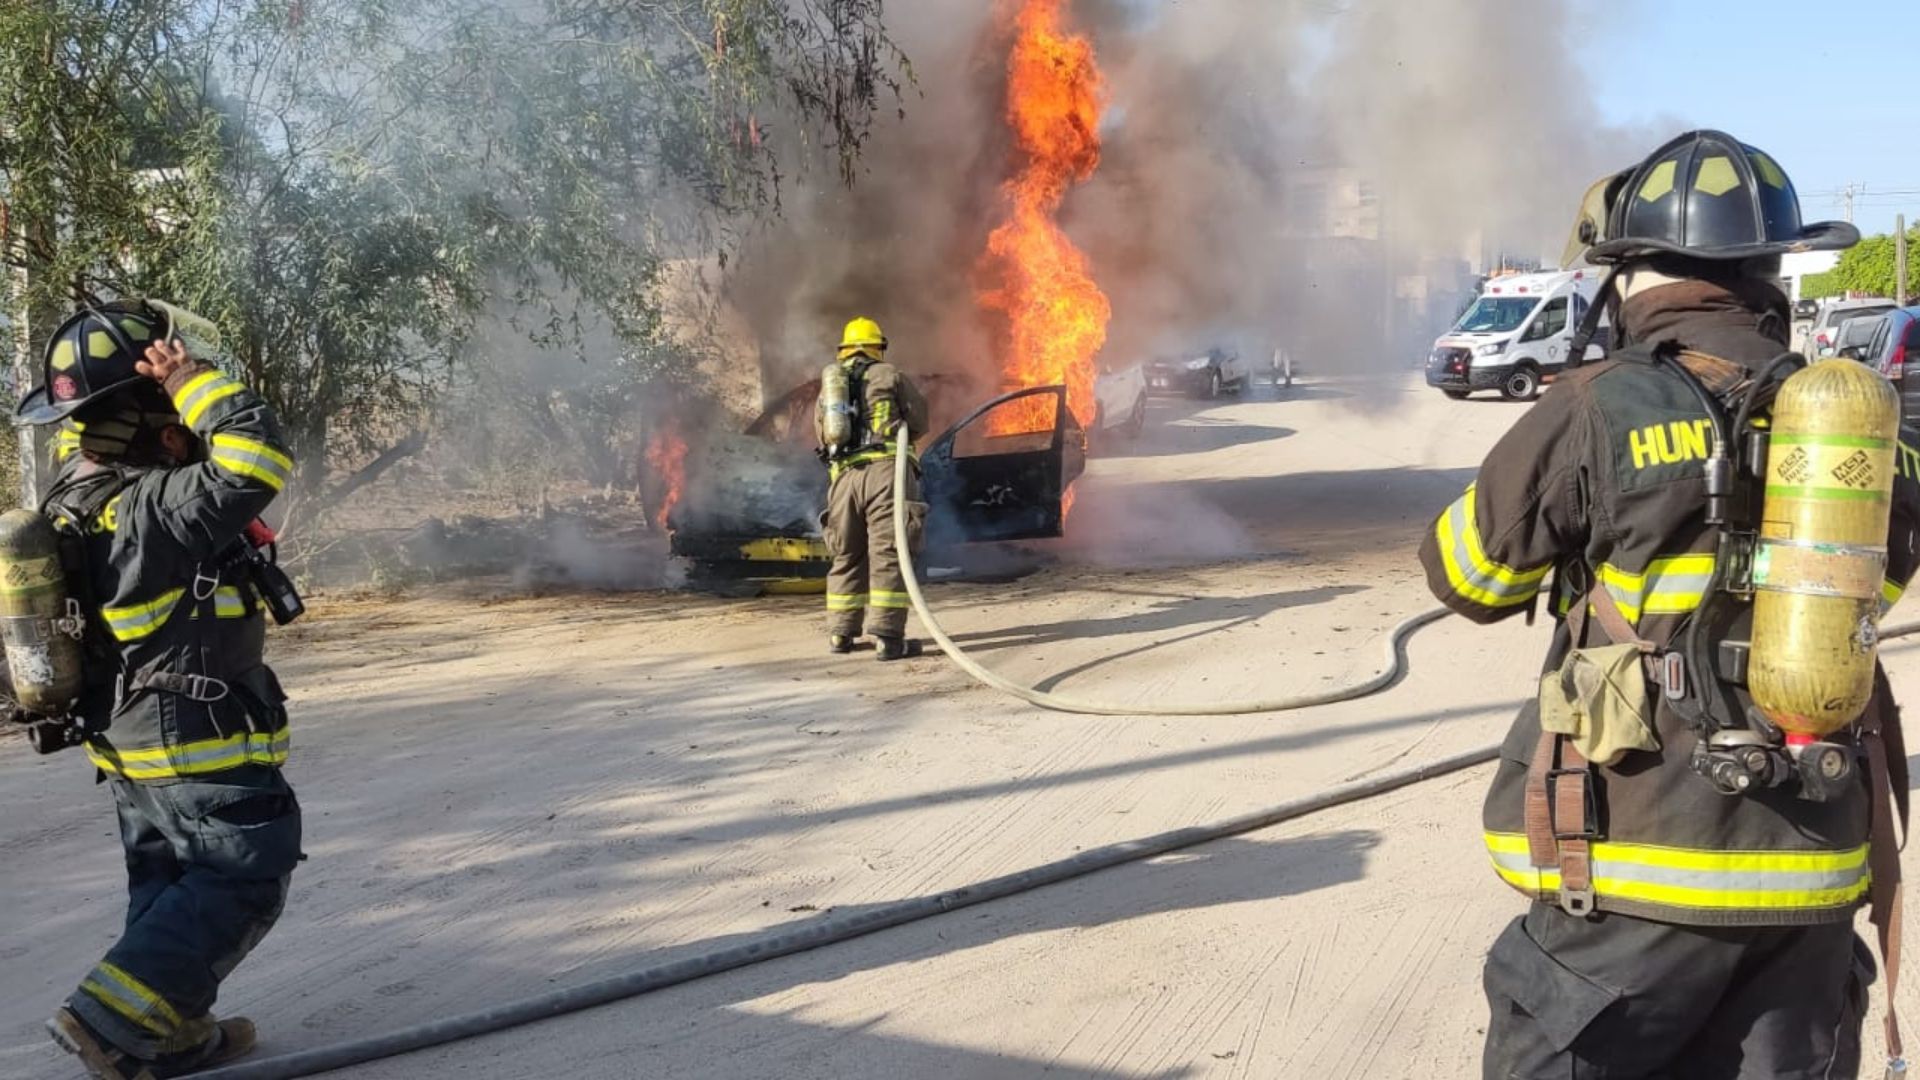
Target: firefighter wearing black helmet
point(165, 463)
point(1677, 930)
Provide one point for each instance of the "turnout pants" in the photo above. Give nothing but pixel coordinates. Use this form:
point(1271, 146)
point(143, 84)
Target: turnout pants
point(208, 863)
point(866, 571)
point(1617, 998)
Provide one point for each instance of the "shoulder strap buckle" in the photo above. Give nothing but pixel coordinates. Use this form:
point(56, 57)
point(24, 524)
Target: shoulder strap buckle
point(204, 584)
point(204, 689)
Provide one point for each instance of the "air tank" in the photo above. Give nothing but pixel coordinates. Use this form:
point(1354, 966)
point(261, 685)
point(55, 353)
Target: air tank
point(43, 651)
point(1822, 552)
point(837, 414)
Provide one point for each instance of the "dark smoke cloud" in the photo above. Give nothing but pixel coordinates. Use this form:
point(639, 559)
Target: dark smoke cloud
point(1462, 127)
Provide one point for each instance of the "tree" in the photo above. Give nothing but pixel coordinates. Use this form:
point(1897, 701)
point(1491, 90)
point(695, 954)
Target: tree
point(351, 187)
point(1867, 268)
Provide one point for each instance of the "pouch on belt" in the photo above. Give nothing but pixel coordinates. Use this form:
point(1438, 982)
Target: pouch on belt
point(1598, 700)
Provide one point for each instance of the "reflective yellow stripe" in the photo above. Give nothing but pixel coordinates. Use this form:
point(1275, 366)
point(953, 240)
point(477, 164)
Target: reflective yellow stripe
point(891, 599)
point(1668, 586)
point(256, 460)
point(1890, 595)
point(140, 620)
point(131, 998)
point(846, 601)
point(66, 443)
point(864, 457)
point(232, 441)
point(1470, 572)
point(136, 621)
point(200, 393)
point(1699, 879)
point(227, 603)
point(194, 758)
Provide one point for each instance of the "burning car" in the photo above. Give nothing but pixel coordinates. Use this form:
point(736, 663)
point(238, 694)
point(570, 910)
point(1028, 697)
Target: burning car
point(747, 518)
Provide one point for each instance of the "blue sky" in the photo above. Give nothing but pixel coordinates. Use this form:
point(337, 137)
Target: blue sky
point(1832, 90)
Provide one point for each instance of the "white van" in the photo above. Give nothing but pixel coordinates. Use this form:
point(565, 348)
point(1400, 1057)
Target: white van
point(1515, 336)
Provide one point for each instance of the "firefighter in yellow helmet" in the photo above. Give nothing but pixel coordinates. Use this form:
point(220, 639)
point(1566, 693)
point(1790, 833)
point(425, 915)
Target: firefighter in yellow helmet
point(1693, 883)
point(866, 406)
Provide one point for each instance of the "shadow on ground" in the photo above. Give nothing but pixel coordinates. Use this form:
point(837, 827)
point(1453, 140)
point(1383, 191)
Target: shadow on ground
point(1227, 872)
point(1165, 614)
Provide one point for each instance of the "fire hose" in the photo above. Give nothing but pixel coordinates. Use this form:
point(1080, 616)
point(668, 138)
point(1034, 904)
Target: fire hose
point(1387, 676)
point(829, 928)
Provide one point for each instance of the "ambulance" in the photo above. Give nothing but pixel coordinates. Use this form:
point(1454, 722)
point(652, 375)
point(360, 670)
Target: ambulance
point(1516, 336)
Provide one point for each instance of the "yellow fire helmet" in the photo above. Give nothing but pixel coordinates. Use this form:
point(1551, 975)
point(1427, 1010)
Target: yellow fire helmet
point(862, 335)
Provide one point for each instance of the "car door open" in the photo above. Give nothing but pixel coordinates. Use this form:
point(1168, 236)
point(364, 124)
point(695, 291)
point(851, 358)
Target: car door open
point(1003, 472)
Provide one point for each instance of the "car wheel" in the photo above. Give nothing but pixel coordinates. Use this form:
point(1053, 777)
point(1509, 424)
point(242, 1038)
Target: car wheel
point(1457, 395)
point(1213, 385)
point(1522, 385)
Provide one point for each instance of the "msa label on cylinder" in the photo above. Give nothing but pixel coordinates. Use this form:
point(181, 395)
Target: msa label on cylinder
point(1829, 467)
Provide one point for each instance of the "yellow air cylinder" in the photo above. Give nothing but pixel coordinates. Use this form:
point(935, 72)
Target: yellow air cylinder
point(837, 413)
point(1822, 552)
point(43, 659)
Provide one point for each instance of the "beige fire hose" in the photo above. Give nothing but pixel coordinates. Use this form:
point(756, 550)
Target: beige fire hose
point(1396, 664)
point(1395, 647)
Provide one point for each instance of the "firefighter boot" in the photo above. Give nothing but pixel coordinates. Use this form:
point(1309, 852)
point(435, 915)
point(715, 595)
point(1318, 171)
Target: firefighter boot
point(840, 644)
point(896, 648)
point(102, 1058)
point(227, 1040)
point(232, 1039)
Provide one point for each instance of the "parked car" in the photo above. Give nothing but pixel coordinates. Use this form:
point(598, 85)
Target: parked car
point(1119, 401)
point(1208, 375)
point(1851, 339)
point(1804, 312)
point(1821, 338)
point(1895, 342)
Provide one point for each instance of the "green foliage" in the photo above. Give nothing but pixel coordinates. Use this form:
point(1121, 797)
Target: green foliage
point(1867, 269)
point(353, 188)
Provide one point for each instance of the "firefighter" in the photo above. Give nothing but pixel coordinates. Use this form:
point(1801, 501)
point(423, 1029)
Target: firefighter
point(1677, 930)
point(170, 463)
point(866, 406)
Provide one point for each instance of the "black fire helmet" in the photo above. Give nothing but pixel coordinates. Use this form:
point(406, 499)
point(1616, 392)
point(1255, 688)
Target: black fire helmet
point(90, 357)
point(1706, 195)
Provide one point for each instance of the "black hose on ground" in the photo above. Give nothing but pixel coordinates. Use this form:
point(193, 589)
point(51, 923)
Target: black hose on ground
point(825, 930)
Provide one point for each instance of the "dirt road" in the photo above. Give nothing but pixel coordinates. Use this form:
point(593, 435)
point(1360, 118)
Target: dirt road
point(506, 794)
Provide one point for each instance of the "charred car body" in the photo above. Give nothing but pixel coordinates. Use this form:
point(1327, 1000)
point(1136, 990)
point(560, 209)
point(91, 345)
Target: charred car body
point(749, 521)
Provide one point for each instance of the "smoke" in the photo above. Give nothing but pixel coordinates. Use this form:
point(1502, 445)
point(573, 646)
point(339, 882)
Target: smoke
point(1325, 178)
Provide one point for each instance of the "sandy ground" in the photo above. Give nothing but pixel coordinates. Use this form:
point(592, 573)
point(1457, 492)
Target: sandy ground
point(505, 795)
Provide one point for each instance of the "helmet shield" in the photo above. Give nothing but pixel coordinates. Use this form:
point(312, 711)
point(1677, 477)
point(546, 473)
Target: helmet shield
point(1706, 195)
point(197, 332)
point(1591, 223)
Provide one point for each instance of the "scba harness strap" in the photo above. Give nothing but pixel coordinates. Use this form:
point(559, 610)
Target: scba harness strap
point(1561, 804)
point(72, 506)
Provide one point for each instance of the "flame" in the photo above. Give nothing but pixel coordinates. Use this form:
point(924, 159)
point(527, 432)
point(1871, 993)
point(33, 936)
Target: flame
point(667, 453)
point(1056, 315)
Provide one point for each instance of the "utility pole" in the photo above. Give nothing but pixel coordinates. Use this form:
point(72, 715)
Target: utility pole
point(1847, 195)
point(1900, 259)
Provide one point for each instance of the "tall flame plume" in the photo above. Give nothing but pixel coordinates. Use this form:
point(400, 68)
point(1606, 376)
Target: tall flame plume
point(1056, 316)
